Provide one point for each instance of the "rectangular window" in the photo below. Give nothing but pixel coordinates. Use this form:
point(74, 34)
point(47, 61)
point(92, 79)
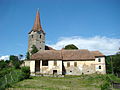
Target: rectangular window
point(75, 64)
point(40, 36)
point(68, 64)
point(45, 63)
point(32, 36)
point(55, 63)
point(99, 67)
point(99, 60)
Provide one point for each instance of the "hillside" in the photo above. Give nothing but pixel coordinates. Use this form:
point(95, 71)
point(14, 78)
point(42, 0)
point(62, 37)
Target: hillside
point(83, 82)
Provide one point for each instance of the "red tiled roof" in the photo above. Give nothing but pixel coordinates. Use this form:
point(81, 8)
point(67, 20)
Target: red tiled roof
point(66, 55)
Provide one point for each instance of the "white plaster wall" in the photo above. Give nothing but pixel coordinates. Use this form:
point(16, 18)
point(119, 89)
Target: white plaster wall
point(102, 64)
point(49, 69)
point(32, 66)
point(27, 63)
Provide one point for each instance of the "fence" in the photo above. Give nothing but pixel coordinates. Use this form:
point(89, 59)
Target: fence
point(9, 78)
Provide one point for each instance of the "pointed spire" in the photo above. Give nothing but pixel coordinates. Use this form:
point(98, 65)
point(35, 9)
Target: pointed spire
point(37, 25)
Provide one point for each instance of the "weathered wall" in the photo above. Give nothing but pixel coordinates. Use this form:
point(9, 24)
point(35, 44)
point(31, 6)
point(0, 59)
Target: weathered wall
point(27, 63)
point(83, 67)
point(49, 69)
point(102, 64)
point(32, 67)
point(34, 39)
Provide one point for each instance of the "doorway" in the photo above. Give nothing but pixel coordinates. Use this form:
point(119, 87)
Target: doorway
point(54, 71)
point(37, 66)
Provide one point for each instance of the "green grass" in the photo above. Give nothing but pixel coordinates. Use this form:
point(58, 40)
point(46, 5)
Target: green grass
point(83, 82)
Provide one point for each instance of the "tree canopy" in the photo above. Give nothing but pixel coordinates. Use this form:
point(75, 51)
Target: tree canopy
point(28, 55)
point(113, 64)
point(70, 46)
point(15, 61)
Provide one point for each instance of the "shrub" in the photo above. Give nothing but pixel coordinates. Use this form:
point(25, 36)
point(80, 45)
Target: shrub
point(25, 72)
point(105, 86)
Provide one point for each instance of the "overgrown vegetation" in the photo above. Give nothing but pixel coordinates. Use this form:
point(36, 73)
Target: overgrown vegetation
point(11, 72)
point(12, 76)
point(25, 72)
point(113, 64)
point(82, 82)
point(27, 55)
point(34, 49)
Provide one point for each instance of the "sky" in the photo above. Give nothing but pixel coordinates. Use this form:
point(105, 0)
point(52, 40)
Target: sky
point(89, 24)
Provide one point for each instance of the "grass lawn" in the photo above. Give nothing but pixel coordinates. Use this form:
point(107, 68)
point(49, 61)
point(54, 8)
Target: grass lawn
point(83, 82)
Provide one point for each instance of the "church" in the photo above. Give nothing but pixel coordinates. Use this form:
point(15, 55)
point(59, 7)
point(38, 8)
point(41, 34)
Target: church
point(48, 61)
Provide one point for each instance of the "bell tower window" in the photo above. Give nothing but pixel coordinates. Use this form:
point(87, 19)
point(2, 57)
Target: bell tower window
point(32, 36)
point(40, 36)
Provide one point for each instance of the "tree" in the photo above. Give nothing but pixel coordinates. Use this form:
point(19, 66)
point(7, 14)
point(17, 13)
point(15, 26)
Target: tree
point(20, 56)
point(113, 64)
point(15, 61)
point(34, 49)
point(70, 46)
point(28, 55)
point(3, 64)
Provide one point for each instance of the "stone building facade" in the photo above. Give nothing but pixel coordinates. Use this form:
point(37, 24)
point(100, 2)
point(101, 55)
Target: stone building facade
point(62, 62)
point(68, 62)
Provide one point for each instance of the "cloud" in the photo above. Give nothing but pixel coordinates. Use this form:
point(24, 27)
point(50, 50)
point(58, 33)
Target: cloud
point(4, 57)
point(106, 45)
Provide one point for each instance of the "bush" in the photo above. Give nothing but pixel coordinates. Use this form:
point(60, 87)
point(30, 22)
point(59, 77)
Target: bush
point(25, 72)
point(105, 86)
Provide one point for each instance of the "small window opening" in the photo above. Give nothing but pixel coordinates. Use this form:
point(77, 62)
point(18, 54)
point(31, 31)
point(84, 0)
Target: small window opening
point(45, 63)
point(55, 63)
point(99, 67)
point(68, 64)
point(40, 36)
point(54, 71)
point(75, 64)
point(32, 36)
point(99, 60)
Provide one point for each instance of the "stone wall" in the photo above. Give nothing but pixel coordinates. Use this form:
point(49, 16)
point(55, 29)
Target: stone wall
point(37, 39)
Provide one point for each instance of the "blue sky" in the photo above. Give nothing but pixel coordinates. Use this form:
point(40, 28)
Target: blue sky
point(83, 19)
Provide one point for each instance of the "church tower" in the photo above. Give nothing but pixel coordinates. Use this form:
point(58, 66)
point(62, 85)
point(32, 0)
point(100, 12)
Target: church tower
point(36, 35)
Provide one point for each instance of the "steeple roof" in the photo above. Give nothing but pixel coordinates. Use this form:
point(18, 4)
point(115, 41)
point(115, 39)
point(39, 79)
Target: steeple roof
point(37, 25)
